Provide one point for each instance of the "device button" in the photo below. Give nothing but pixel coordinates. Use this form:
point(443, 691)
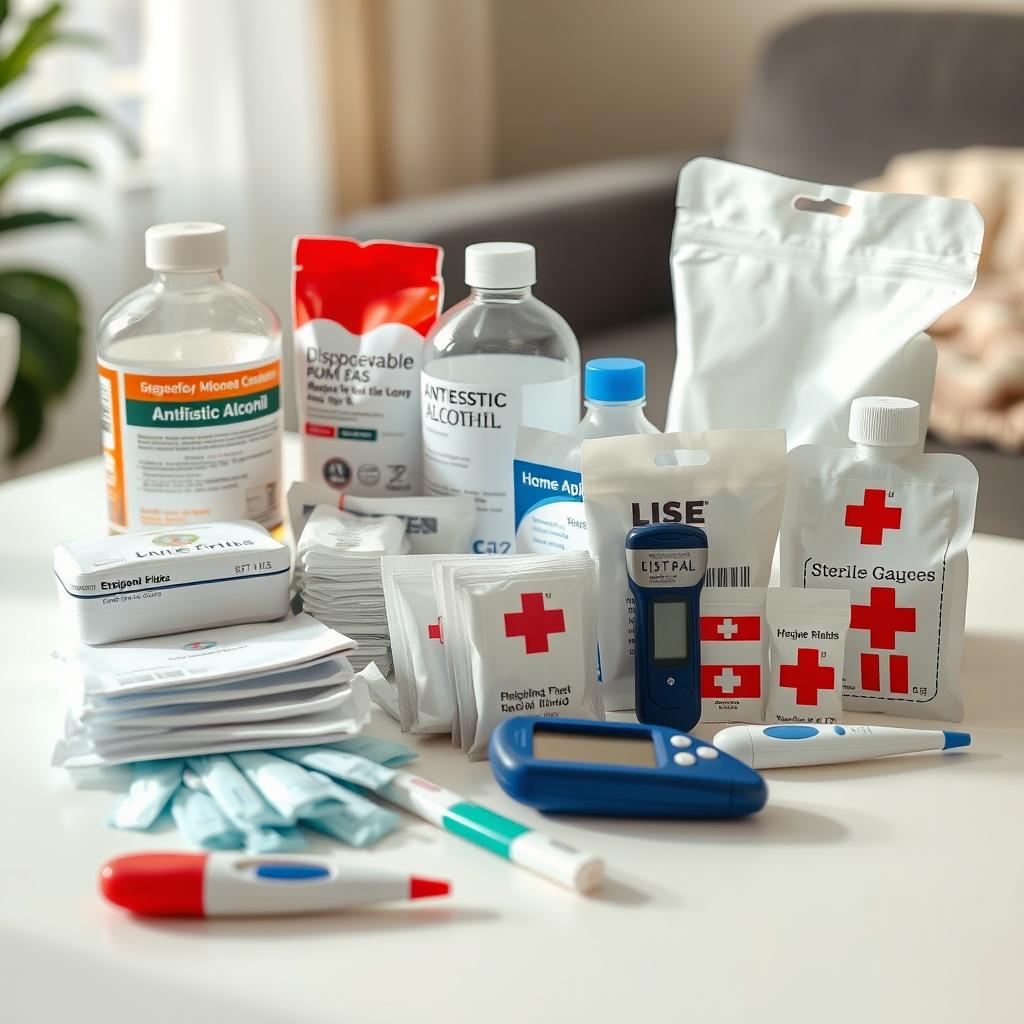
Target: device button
point(838, 730)
point(684, 759)
point(671, 696)
point(791, 732)
point(680, 740)
point(708, 753)
point(291, 872)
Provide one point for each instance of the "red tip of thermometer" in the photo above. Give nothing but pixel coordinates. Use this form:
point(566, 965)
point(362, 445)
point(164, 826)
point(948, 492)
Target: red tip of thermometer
point(232, 884)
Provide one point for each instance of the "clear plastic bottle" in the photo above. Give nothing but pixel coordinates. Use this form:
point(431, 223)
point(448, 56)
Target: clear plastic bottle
point(499, 360)
point(614, 393)
point(190, 384)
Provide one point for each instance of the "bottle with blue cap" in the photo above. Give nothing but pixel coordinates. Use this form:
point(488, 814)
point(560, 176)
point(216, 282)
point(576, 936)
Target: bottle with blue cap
point(614, 393)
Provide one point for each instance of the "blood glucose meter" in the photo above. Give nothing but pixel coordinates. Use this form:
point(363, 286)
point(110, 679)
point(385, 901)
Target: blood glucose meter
point(620, 769)
point(666, 563)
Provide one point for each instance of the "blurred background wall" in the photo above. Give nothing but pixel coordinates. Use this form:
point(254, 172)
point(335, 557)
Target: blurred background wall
point(277, 118)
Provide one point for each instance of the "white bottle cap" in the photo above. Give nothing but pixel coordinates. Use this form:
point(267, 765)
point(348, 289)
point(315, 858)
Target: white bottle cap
point(501, 265)
point(885, 422)
point(187, 246)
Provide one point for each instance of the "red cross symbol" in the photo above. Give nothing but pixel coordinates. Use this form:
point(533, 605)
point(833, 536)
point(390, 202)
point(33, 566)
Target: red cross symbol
point(899, 672)
point(534, 623)
point(883, 619)
point(434, 632)
point(807, 677)
point(874, 517)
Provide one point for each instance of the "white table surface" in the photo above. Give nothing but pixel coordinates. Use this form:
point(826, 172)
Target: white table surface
point(886, 891)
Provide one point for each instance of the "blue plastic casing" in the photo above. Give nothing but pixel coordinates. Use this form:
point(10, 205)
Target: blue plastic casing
point(712, 785)
point(666, 563)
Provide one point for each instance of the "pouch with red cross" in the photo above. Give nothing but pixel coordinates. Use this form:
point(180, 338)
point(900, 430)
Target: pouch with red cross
point(520, 635)
point(806, 641)
point(426, 700)
point(890, 524)
point(733, 654)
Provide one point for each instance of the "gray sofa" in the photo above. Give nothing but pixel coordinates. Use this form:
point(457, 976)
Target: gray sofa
point(833, 98)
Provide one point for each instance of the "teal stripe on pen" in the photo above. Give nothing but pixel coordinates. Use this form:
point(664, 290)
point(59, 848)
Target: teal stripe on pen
point(483, 827)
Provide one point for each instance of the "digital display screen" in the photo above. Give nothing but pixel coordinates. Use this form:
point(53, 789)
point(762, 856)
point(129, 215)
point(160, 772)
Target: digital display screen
point(668, 640)
point(633, 751)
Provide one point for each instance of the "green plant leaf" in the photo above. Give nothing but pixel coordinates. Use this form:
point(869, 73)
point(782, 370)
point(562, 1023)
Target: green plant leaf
point(5, 9)
point(50, 316)
point(36, 219)
point(75, 38)
point(65, 112)
point(39, 32)
point(24, 410)
point(13, 163)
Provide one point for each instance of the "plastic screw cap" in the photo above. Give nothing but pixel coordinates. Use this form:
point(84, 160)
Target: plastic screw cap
point(885, 422)
point(614, 380)
point(187, 246)
point(501, 265)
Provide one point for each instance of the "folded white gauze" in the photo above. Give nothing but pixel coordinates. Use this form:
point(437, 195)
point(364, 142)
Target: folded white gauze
point(521, 632)
point(337, 576)
point(792, 298)
point(425, 702)
point(433, 524)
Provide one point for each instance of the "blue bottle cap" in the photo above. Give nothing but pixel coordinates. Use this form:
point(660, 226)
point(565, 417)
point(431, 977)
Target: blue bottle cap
point(614, 380)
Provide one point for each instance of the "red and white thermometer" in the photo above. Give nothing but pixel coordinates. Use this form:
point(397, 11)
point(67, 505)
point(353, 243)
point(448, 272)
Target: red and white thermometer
point(236, 884)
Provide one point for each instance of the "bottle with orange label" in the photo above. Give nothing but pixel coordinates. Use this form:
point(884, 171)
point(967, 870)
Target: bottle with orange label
point(190, 391)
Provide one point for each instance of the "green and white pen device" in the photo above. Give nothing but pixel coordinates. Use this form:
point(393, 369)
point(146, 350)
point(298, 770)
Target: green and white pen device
point(518, 843)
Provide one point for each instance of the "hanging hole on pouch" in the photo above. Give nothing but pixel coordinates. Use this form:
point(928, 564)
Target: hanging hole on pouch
point(827, 206)
point(683, 457)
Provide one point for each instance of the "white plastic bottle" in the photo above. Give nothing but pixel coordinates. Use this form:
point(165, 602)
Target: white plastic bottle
point(190, 386)
point(499, 360)
point(614, 393)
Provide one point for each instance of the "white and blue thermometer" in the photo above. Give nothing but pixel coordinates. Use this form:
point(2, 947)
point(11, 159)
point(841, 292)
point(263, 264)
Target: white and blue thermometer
point(666, 563)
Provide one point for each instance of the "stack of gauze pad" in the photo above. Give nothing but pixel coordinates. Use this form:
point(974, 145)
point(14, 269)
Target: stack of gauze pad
point(256, 685)
point(337, 576)
point(478, 639)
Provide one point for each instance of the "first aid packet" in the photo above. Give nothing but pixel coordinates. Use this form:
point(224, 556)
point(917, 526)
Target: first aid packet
point(361, 314)
point(778, 285)
point(337, 575)
point(143, 584)
point(434, 524)
point(730, 483)
point(425, 695)
point(890, 525)
point(733, 654)
point(807, 637)
point(207, 691)
point(520, 638)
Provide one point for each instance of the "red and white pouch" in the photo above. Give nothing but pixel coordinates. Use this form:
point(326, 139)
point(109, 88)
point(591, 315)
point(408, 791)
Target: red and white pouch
point(807, 639)
point(361, 314)
point(891, 524)
point(733, 654)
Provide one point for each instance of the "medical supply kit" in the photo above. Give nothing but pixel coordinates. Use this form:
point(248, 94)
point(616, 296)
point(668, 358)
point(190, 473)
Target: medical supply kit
point(481, 563)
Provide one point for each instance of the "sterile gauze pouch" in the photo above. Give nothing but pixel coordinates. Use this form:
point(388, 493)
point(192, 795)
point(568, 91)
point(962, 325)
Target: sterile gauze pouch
point(891, 525)
point(361, 313)
point(733, 654)
point(793, 297)
point(525, 642)
point(433, 523)
point(806, 639)
point(730, 483)
point(425, 702)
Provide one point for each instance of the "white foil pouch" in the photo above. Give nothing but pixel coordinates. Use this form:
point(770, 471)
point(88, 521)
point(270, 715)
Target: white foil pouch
point(733, 654)
point(793, 297)
point(433, 524)
point(807, 637)
point(730, 483)
point(894, 532)
point(361, 316)
point(523, 641)
point(548, 492)
point(425, 703)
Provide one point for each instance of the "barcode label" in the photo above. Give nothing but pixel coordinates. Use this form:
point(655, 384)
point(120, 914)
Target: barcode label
point(106, 413)
point(728, 576)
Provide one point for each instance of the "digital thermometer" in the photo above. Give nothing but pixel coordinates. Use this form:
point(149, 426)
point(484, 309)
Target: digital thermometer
point(792, 746)
point(619, 769)
point(666, 563)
